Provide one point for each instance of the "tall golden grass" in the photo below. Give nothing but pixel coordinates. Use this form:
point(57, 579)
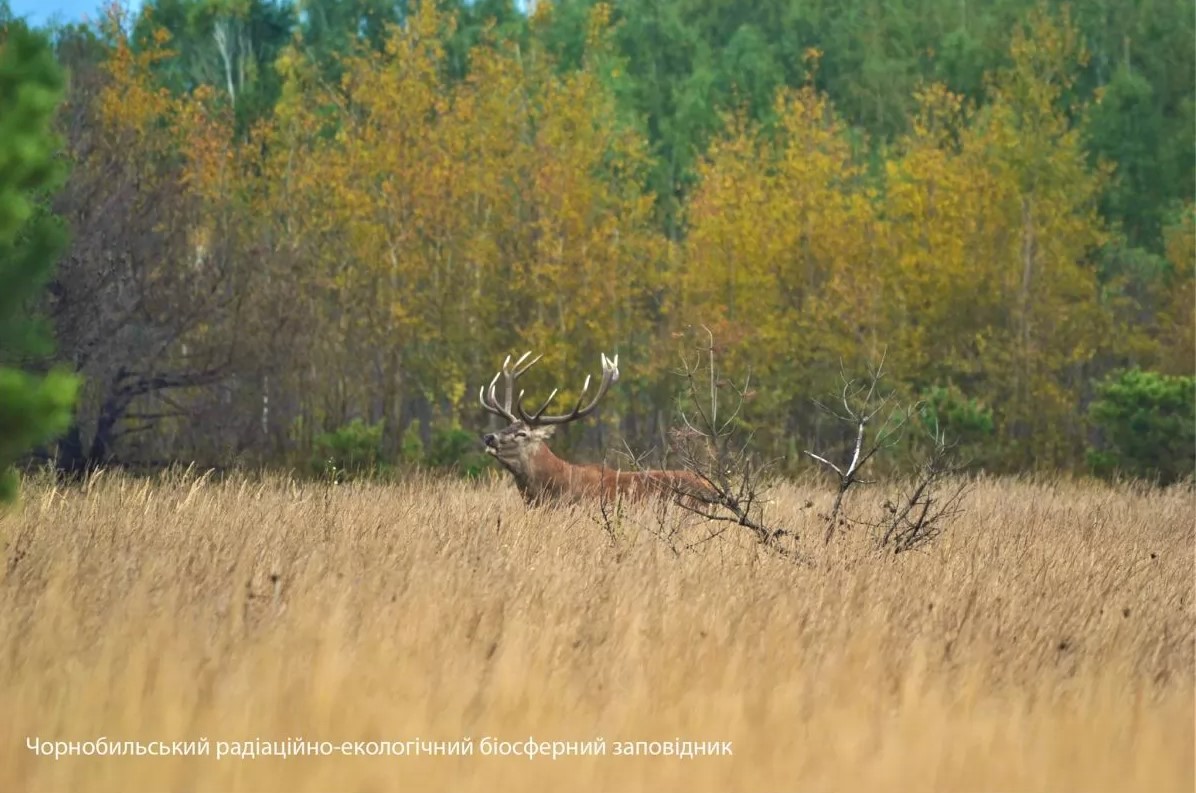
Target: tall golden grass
point(1045, 643)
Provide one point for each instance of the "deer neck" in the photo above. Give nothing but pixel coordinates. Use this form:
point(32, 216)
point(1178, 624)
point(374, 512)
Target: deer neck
point(541, 475)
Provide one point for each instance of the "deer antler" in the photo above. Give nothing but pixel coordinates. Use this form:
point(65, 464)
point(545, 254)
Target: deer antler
point(509, 375)
point(511, 407)
point(610, 373)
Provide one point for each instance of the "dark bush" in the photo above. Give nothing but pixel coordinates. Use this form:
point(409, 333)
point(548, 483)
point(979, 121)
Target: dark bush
point(352, 450)
point(1147, 426)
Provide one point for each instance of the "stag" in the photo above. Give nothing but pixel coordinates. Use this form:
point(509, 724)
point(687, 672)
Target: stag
point(540, 475)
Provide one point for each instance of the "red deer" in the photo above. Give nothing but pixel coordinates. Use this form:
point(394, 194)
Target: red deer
point(541, 476)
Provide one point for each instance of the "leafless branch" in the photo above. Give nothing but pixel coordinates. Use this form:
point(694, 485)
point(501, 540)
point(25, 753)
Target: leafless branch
point(917, 517)
point(709, 445)
point(921, 515)
point(862, 404)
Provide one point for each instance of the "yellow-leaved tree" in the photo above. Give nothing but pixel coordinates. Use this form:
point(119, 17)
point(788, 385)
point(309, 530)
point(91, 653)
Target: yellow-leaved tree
point(780, 258)
point(1177, 320)
point(440, 224)
point(992, 231)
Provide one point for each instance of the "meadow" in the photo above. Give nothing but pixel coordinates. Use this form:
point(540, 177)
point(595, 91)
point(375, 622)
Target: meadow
point(1045, 643)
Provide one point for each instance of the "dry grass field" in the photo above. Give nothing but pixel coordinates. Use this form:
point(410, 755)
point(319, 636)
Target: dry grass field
point(1044, 644)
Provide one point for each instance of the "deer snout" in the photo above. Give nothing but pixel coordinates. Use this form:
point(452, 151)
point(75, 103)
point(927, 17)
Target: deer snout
point(490, 440)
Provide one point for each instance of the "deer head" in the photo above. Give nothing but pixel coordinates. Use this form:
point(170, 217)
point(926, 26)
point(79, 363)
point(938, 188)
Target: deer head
point(519, 445)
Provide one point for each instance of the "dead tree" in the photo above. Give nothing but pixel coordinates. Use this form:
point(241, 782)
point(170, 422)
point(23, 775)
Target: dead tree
point(919, 516)
point(862, 403)
point(709, 444)
point(911, 518)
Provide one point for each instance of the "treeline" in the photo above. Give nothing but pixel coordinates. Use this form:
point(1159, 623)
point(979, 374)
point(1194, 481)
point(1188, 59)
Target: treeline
point(287, 220)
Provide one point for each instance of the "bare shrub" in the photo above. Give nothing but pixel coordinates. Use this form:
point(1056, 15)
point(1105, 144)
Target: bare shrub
point(916, 515)
point(709, 442)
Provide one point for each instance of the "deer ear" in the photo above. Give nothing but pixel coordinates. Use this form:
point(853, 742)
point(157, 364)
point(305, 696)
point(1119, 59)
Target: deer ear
point(543, 433)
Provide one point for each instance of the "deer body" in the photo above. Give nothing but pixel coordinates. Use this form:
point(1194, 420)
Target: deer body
point(542, 477)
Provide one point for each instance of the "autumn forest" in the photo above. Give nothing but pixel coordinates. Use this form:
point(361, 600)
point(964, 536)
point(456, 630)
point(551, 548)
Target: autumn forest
point(290, 227)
